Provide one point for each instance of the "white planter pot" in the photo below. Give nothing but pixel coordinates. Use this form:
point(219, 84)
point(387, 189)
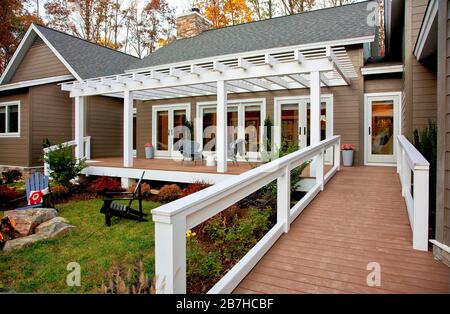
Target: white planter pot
point(347, 158)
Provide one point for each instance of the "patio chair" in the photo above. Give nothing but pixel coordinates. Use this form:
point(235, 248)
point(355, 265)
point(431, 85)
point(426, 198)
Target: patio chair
point(37, 182)
point(234, 148)
point(191, 151)
point(112, 208)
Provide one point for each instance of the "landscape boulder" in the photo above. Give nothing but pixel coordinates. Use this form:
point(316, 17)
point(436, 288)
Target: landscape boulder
point(28, 219)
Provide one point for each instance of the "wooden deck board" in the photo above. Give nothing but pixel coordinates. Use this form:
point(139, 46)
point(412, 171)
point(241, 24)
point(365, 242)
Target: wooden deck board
point(359, 218)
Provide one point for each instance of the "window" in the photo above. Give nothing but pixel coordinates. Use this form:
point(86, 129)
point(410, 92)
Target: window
point(9, 119)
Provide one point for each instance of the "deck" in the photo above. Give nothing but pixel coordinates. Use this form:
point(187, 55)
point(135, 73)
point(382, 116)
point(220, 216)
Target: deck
point(359, 218)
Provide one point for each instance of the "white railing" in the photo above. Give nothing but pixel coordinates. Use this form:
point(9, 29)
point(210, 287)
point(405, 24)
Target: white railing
point(414, 189)
point(174, 219)
point(87, 150)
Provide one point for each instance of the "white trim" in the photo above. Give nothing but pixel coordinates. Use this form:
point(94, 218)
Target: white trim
point(240, 103)
point(428, 21)
point(27, 42)
point(440, 245)
point(340, 42)
point(397, 124)
point(6, 105)
point(157, 175)
point(42, 81)
point(382, 69)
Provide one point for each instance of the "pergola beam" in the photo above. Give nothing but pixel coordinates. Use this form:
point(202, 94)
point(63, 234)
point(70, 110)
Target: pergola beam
point(336, 64)
point(300, 79)
point(279, 81)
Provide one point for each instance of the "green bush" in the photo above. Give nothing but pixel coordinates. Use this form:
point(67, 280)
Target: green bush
point(64, 166)
point(222, 242)
point(425, 141)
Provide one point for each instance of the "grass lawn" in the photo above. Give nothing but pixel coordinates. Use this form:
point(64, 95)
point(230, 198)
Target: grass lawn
point(99, 250)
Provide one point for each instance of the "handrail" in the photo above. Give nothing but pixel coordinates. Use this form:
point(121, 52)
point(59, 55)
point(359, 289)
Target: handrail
point(415, 189)
point(173, 219)
point(86, 141)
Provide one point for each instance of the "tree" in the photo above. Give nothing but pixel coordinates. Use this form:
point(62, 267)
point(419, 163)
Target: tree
point(147, 29)
point(264, 9)
point(297, 6)
point(226, 12)
point(14, 22)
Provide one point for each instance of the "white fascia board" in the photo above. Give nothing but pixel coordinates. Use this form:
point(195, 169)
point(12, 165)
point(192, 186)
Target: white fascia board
point(382, 69)
point(47, 80)
point(340, 42)
point(428, 20)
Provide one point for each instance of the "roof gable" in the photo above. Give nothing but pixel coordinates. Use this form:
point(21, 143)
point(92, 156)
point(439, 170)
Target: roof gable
point(325, 25)
point(39, 62)
point(81, 58)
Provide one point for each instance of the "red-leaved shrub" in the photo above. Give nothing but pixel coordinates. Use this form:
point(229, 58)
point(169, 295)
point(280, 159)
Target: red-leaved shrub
point(194, 187)
point(145, 190)
point(101, 185)
point(7, 194)
point(169, 193)
point(60, 192)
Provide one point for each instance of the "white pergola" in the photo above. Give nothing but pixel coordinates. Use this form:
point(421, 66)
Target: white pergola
point(275, 69)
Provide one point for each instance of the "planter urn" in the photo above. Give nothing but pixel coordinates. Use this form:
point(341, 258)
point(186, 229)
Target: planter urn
point(148, 151)
point(347, 157)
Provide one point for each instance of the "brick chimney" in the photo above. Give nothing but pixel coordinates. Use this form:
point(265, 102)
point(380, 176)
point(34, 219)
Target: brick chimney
point(191, 24)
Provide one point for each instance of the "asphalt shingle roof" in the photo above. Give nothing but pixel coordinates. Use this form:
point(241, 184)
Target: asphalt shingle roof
point(348, 21)
point(87, 59)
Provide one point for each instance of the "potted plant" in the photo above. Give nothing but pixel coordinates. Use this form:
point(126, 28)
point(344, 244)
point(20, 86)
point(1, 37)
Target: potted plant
point(148, 151)
point(347, 154)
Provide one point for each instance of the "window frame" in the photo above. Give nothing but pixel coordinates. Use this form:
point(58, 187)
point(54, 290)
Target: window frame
point(6, 105)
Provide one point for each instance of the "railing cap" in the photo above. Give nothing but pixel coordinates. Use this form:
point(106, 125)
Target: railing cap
point(415, 157)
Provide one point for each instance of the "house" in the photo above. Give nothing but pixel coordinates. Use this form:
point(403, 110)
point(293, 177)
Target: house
point(33, 107)
point(321, 79)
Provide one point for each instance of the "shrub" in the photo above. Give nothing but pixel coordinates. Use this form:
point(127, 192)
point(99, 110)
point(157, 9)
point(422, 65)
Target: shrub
point(145, 190)
point(194, 187)
point(64, 166)
point(101, 185)
point(7, 194)
point(60, 192)
point(11, 175)
point(169, 193)
point(203, 268)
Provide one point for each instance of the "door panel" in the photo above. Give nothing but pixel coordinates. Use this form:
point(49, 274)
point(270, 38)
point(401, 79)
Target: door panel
point(382, 128)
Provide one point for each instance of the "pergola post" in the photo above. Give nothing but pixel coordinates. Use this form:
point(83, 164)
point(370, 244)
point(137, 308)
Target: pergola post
point(128, 129)
point(79, 127)
point(315, 114)
point(221, 127)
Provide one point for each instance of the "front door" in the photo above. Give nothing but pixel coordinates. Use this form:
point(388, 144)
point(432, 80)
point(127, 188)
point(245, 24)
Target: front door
point(168, 129)
point(382, 127)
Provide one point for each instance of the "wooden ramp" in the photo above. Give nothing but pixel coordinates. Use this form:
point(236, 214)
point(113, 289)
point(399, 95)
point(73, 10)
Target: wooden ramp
point(360, 218)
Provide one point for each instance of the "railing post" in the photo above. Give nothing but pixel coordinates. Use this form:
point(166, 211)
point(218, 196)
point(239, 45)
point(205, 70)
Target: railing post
point(399, 156)
point(319, 168)
point(420, 222)
point(170, 254)
point(337, 155)
point(88, 148)
point(46, 167)
point(284, 198)
point(406, 175)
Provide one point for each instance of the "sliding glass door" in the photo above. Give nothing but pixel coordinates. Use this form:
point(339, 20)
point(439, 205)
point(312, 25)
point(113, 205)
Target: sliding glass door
point(168, 129)
point(244, 122)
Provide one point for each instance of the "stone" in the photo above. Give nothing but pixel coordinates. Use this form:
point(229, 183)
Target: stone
point(55, 227)
point(19, 243)
point(28, 219)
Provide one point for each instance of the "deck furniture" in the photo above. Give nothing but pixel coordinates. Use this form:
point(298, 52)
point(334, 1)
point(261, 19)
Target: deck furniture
point(35, 183)
point(111, 206)
point(191, 151)
point(234, 148)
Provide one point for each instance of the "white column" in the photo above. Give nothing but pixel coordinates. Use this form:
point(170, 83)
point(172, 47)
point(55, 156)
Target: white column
point(79, 127)
point(314, 114)
point(128, 129)
point(221, 127)
point(170, 254)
